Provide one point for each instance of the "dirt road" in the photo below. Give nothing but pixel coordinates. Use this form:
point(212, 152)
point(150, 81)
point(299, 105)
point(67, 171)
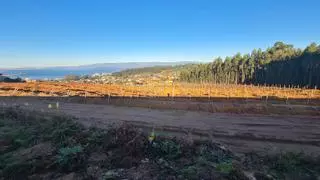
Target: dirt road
point(240, 133)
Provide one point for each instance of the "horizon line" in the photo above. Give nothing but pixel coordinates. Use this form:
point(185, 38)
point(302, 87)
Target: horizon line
point(66, 66)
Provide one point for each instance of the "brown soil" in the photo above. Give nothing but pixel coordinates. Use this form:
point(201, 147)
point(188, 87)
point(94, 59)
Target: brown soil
point(239, 132)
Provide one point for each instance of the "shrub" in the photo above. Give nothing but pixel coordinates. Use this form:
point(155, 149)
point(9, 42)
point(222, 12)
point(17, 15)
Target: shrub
point(167, 148)
point(70, 158)
point(225, 167)
point(72, 78)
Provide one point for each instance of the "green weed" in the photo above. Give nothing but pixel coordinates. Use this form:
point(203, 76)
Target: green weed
point(226, 167)
point(70, 158)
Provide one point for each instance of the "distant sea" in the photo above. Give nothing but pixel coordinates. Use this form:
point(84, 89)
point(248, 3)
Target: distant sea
point(49, 74)
point(52, 73)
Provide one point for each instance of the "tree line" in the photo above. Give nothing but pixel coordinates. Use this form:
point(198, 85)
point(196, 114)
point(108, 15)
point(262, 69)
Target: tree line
point(134, 71)
point(148, 70)
point(281, 64)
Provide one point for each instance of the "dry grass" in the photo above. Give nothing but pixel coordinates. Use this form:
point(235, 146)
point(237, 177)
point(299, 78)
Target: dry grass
point(155, 90)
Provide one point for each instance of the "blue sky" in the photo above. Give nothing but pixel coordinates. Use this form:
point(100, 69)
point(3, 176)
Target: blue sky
point(74, 32)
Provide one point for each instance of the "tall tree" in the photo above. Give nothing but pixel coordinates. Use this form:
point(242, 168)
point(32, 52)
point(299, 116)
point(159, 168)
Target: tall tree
point(281, 64)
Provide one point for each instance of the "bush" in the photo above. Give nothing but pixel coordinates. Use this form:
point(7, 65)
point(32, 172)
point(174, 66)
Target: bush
point(12, 80)
point(72, 77)
point(70, 158)
point(167, 148)
point(225, 167)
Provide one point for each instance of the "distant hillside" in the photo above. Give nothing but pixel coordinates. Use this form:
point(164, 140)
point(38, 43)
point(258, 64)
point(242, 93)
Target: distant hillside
point(152, 70)
point(130, 65)
point(60, 72)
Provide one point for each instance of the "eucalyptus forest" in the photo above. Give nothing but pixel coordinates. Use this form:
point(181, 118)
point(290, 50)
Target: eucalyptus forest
point(281, 64)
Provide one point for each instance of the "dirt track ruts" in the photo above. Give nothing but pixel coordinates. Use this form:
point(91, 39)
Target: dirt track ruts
point(241, 133)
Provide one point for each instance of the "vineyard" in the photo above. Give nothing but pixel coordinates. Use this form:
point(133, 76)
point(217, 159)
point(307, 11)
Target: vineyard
point(165, 89)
